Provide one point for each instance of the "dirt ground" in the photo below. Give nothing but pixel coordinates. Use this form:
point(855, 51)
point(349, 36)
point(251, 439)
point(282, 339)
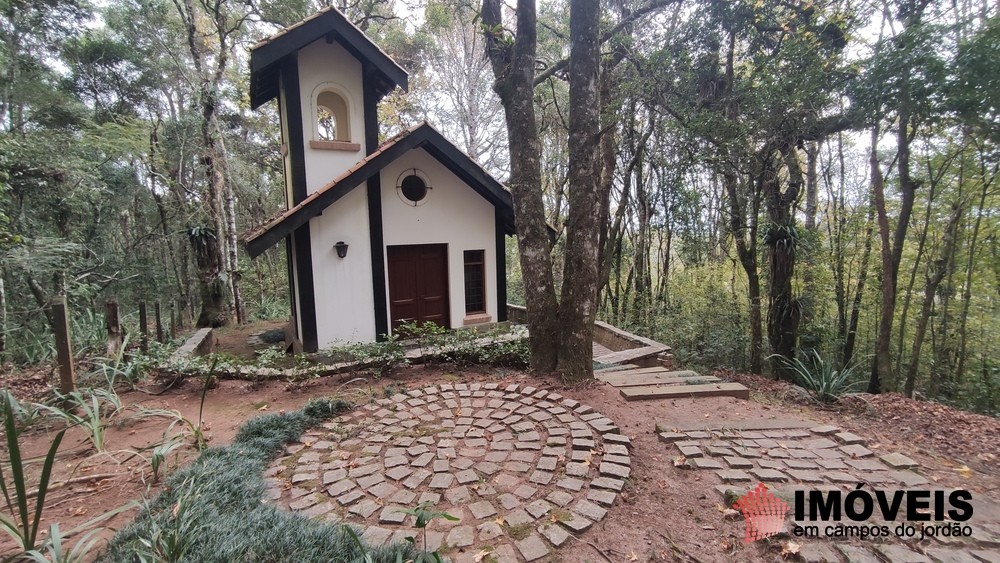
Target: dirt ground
point(665, 513)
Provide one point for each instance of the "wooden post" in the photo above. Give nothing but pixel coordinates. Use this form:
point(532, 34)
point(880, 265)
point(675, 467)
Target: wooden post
point(159, 322)
point(64, 344)
point(143, 329)
point(173, 319)
point(112, 321)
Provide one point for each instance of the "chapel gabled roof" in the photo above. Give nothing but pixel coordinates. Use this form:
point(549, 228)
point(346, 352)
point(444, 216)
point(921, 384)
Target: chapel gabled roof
point(266, 56)
point(422, 136)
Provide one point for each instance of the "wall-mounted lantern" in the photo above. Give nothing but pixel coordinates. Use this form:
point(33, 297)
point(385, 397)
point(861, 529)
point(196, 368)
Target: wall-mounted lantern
point(341, 247)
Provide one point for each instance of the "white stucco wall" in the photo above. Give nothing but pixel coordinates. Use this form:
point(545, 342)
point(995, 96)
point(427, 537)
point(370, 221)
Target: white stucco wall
point(323, 66)
point(453, 214)
point(343, 286)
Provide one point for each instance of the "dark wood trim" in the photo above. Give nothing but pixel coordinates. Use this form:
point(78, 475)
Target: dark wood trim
point(501, 252)
point(482, 290)
point(425, 137)
point(374, 187)
point(301, 242)
point(268, 55)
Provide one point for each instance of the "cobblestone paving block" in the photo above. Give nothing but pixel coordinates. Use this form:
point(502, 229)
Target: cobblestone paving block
point(866, 464)
point(793, 463)
point(340, 487)
point(817, 552)
point(541, 477)
point(769, 475)
point(532, 548)
point(605, 498)
point(376, 536)
point(556, 534)
point(816, 443)
point(576, 523)
point(703, 463)
point(517, 517)
point(907, 478)
point(738, 462)
point(303, 503)
point(690, 451)
point(772, 463)
point(590, 510)
point(856, 451)
point(805, 476)
point(848, 438)
point(365, 508)
point(671, 437)
point(950, 555)
point(369, 481)
point(392, 515)
point(577, 469)
point(458, 495)
point(856, 554)
point(607, 483)
point(733, 476)
point(524, 491)
point(902, 554)
point(461, 536)
point(349, 497)
point(898, 461)
point(559, 498)
point(488, 530)
point(383, 490)
point(538, 508)
point(482, 509)
point(825, 430)
point(570, 484)
point(985, 556)
point(442, 481)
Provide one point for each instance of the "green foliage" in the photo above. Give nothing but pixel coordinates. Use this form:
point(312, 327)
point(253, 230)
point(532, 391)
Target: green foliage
point(378, 358)
point(211, 510)
point(822, 378)
point(270, 308)
point(53, 551)
point(20, 522)
point(92, 410)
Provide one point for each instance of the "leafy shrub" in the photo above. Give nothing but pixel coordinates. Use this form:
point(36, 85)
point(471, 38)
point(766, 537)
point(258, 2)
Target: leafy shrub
point(380, 358)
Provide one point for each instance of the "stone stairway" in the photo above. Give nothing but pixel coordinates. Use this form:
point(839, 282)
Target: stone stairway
point(636, 383)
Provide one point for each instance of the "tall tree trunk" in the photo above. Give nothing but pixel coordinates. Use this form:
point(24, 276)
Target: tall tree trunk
point(783, 311)
point(882, 366)
point(213, 290)
point(851, 332)
point(969, 264)
point(578, 305)
point(513, 65)
point(938, 269)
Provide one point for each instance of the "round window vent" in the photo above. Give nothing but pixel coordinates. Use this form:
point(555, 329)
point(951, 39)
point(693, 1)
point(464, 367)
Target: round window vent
point(413, 187)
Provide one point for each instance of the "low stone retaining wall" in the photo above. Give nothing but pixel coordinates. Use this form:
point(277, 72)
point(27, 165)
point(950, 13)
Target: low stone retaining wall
point(198, 344)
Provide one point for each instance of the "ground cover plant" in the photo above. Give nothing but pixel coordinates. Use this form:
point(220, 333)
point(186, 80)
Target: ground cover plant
point(212, 509)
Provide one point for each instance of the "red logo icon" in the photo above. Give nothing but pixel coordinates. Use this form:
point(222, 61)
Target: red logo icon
point(763, 511)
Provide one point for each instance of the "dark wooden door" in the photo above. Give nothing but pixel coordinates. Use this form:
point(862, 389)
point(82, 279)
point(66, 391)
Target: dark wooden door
point(418, 284)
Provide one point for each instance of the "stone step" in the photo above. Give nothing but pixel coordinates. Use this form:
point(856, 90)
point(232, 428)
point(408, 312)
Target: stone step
point(624, 380)
point(681, 391)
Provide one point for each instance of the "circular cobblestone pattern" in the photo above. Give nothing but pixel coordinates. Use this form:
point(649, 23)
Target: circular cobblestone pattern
point(520, 468)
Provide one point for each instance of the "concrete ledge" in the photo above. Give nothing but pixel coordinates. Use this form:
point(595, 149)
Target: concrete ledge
point(198, 344)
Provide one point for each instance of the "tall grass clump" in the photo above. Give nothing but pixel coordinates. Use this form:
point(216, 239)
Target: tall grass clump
point(212, 510)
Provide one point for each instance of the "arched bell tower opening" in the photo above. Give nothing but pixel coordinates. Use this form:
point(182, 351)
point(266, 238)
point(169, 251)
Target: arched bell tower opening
point(333, 120)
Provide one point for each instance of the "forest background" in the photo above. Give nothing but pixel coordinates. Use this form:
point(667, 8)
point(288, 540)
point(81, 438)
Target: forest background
point(811, 180)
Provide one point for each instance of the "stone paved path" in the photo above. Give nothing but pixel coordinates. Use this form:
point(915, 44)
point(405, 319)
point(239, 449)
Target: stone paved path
point(521, 468)
point(794, 456)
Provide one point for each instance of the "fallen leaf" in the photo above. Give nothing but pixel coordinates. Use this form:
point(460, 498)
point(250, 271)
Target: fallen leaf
point(633, 556)
point(263, 407)
point(481, 555)
point(964, 471)
point(680, 461)
point(790, 548)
